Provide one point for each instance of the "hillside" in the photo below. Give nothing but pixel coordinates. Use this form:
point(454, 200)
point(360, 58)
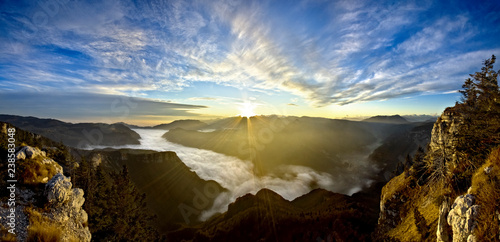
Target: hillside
point(77, 135)
point(451, 191)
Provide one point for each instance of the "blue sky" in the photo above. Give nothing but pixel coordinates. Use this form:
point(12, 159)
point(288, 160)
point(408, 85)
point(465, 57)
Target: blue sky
point(78, 60)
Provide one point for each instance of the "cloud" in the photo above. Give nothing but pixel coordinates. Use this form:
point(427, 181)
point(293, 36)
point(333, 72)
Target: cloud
point(346, 52)
point(88, 105)
point(203, 98)
point(288, 181)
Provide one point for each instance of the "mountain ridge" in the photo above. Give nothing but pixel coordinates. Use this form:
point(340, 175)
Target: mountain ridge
point(77, 135)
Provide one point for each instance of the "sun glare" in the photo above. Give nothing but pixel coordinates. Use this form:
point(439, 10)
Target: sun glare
point(246, 110)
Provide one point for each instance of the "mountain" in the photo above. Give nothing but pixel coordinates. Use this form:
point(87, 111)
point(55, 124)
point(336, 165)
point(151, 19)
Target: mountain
point(421, 118)
point(184, 124)
point(173, 192)
point(451, 191)
point(269, 142)
point(319, 215)
point(402, 142)
point(76, 135)
point(395, 119)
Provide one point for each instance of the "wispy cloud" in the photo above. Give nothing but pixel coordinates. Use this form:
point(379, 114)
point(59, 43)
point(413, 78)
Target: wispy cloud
point(203, 98)
point(337, 52)
point(82, 106)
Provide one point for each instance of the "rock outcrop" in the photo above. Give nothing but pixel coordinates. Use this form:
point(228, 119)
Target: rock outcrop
point(43, 167)
point(65, 205)
point(444, 135)
point(29, 152)
point(405, 198)
point(462, 218)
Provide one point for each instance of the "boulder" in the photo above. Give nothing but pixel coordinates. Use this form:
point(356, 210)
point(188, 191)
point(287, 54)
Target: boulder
point(58, 189)
point(28, 152)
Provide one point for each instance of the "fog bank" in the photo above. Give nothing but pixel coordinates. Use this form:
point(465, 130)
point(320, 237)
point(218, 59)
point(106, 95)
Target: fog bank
point(238, 178)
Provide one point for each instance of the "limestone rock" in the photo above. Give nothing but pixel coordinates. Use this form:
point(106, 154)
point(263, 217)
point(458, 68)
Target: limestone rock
point(488, 169)
point(66, 208)
point(28, 152)
point(462, 217)
point(58, 189)
point(443, 136)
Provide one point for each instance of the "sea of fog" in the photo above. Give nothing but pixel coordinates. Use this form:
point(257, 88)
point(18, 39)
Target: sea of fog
point(237, 175)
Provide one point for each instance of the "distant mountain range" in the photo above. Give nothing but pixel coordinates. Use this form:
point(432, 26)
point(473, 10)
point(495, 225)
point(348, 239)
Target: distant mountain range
point(173, 191)
point(320, 143)
point(395, 119)
point(76, 135)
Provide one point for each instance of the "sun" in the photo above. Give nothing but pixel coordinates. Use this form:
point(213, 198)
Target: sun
point(246, 110)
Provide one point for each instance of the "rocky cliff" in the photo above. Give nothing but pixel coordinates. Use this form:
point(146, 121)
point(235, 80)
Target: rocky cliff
point(444, 136)
point(424, 203)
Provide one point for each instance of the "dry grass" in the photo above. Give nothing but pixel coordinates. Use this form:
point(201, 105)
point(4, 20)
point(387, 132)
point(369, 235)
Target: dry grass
point(486, 188)
point(34, 171)
point(41, 229)
point(394, 186)
point(5, 235)
point(406, 230)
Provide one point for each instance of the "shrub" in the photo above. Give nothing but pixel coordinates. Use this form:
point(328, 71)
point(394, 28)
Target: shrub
point(33, 171)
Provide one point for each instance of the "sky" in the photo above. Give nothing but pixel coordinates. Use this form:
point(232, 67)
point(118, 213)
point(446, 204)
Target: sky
point(150, 62)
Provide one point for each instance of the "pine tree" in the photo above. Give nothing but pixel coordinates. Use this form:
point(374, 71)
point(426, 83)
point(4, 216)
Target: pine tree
point(480, 108)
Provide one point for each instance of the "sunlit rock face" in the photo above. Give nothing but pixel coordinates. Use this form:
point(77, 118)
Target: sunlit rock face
point(66, 208)
point(462, 218)
point(443, 138)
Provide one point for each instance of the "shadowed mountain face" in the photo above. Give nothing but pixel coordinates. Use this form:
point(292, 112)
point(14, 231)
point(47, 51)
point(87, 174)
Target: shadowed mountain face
point(173, 192)
point(317, 216)
point(75, 135)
